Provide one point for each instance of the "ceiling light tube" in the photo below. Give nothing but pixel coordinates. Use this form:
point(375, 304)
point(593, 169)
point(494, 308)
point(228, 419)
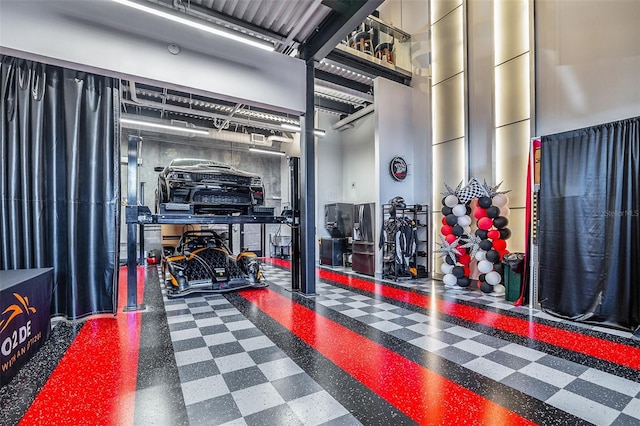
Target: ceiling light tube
point(290, 127)
point(164, 126)
point(193, 24)
point(317, 132)
point(264, 151)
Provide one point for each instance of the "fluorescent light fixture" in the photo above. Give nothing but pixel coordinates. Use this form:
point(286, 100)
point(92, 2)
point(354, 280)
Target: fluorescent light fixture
point(290, 127)
point(317, 132)
point(164, 126)
point(193, 24)
point(265, 151)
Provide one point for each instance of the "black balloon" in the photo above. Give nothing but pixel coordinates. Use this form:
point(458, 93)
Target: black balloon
point(443, 203)
point(486, 287)
point(449, 260)
point(446, 211)
point(505, 233)
point(481, 277)
point(500, 222)
point(498, 267)
point(484, 202)
point(468, 209)
point(464, 282)
point(458, 271)
point(458, 230)
point(452, 219)
point(493, 256)
point(482, 234)
point(485, 245)
point(493, 212)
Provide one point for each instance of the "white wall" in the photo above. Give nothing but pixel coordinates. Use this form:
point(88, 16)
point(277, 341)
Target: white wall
point(358, 159)
point(109, 39)
point(329, 166)
point(587, 63)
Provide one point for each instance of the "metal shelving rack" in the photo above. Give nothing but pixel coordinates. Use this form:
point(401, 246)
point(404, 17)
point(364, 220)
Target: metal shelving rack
point(418, 260)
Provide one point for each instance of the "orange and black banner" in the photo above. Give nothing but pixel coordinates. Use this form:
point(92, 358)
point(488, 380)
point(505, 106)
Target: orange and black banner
point(25, 316)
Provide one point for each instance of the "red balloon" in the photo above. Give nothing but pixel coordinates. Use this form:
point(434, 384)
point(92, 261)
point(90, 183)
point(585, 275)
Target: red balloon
point(446, 230)
point(479, 213)
point(464, 258)
point(499, 245)
point(494, 234)
point(461, 251)
point(467, 270)
point(502, 253)
point(485, 223)
point(444, 220)
point(450, 238)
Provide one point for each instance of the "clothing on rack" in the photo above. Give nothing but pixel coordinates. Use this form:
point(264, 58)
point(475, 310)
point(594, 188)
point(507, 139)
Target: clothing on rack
point(398, 241)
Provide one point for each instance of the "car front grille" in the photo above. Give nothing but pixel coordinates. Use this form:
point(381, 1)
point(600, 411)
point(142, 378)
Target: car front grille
point(221, 178)
point(228, 198)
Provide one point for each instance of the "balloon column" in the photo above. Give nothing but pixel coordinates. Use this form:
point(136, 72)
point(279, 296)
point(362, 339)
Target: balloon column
point(456, 224)
point(486, 246)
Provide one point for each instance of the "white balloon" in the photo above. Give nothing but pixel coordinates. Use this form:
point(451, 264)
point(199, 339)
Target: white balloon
point(450, 200)
point(459, 210)
point(504, 211)
point(500, 200)
point(493, 278)
point(449, 279)
point(485, 266)
point(445, 268)
point(481, 255)
point(499, 289)
point(464, 220)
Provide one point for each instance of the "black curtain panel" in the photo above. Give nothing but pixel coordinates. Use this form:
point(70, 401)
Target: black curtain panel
point(60, 181)
point(589, 231)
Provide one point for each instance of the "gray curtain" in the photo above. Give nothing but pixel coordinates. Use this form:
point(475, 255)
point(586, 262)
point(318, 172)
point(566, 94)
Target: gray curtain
point(589, 231)
point(60, 181)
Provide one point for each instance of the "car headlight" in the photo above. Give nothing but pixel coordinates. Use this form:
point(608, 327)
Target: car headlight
point(256, 181)
point(179, 176)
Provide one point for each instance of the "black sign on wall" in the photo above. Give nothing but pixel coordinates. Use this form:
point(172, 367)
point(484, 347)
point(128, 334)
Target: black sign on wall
point(398, 168)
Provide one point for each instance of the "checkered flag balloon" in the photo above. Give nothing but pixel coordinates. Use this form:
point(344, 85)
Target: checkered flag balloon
point(474, 189)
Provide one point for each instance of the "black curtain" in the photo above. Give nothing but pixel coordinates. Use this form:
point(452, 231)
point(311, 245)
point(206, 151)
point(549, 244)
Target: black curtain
point(60, 181)
point(589, 231)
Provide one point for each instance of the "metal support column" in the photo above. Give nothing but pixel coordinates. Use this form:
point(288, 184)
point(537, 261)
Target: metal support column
point(131, 216)
point(294, 177)
point(308, 193)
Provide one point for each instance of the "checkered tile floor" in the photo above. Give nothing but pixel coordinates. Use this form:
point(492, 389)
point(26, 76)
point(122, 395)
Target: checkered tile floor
point(231, 373)
point(595, 396)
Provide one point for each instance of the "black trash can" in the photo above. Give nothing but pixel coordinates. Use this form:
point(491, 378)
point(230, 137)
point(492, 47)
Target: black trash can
point(513, 269)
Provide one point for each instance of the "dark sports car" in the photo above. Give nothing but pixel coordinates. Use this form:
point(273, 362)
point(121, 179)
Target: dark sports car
point(207, 187)
point(202, 263)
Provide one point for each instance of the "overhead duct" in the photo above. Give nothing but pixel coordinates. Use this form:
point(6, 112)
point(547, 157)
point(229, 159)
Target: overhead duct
point(254, 139)
point(342, 124)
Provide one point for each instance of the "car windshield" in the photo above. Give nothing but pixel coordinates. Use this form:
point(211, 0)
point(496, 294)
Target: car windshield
point(181, 162)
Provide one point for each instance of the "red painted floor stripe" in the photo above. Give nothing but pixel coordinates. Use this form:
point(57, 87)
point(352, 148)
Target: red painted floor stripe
point(595, 347)
point(598, 348)
point(421, 394)
point(95, 381)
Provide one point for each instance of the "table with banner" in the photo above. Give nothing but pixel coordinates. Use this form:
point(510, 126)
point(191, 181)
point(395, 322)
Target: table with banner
point(25, 316)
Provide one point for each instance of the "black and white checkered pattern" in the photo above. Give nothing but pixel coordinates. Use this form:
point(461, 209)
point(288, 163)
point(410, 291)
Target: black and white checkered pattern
point(231, 373)
point(593, 395)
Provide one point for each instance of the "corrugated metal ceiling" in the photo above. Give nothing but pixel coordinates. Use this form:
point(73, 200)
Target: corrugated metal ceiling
point(292, 20)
